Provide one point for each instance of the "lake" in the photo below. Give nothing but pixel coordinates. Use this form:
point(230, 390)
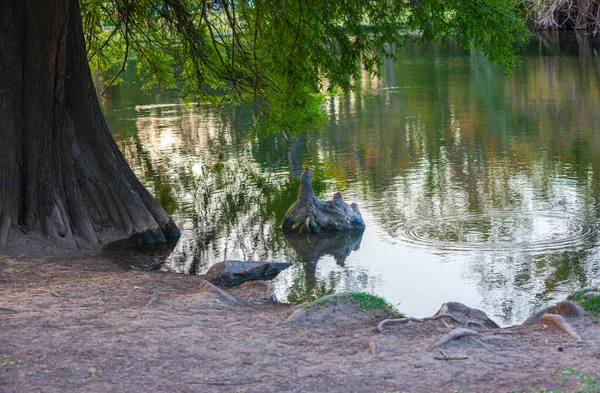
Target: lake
point(475, 187)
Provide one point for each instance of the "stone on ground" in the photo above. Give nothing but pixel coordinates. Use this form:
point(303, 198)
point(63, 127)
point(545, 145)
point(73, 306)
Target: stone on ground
point(233, 273)
point(472, 317)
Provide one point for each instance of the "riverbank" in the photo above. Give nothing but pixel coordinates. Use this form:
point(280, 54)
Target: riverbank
point(83, 323)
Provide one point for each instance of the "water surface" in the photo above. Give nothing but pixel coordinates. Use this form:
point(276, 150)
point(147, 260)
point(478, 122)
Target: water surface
point(475, 187)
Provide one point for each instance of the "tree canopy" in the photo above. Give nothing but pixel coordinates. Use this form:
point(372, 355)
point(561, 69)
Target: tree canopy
point(282, 55)
point(62, 171)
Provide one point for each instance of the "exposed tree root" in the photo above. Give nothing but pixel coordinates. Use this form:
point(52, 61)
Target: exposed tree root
point(411, 319)
point(58, 227)
point(559, 322)
point(455, 335)
point(565, 308)
point(5, 223)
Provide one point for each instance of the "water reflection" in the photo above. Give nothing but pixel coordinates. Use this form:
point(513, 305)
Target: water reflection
point(313, 247)
point(474, 187)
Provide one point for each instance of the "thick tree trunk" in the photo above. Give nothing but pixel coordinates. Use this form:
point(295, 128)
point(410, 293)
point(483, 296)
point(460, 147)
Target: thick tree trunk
point(60, 169)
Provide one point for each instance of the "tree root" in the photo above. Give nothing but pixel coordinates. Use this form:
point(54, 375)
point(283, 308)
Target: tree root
point(58, 227)
point(5, 223)
point(411, 319)
point(559, 322)
point(455, 335)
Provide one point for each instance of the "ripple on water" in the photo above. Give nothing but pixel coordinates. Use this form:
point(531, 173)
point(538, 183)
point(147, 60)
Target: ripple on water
point(532, 232)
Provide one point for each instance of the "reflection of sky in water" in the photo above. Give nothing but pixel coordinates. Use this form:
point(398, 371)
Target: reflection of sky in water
point(475, 188)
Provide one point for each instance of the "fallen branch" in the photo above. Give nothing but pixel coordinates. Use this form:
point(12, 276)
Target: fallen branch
point(411, 319)
point(455, 335)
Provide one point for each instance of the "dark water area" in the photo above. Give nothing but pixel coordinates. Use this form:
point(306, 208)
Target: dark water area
point(474, 187)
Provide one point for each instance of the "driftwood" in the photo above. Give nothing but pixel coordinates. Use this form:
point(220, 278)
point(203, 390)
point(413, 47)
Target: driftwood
point(309, 214)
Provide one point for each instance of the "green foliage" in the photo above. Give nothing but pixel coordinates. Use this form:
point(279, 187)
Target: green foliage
point(281, 56)
point(590, 305)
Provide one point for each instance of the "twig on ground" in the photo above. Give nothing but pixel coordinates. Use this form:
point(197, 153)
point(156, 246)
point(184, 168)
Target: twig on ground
point(462, 357)
point(222, 383)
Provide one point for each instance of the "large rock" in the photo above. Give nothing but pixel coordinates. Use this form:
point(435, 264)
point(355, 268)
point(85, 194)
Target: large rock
point(309, 214)
point(472, 317)
point(233, 273)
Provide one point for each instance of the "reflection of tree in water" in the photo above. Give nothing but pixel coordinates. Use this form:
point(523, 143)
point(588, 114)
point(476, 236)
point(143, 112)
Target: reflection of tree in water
point(236, 216)
point(312, 247)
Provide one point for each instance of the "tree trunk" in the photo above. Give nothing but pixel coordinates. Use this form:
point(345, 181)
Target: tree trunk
point(309, 214)
point(60, 169)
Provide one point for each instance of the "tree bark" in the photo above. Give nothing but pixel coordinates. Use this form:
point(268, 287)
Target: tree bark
point(61, 171)
point(309, 214)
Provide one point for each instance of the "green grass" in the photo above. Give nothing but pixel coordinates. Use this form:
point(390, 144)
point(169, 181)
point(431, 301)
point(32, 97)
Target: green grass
point(590, 305)
point(363, 302)
point(7, 362)
point(369, 304)
point(587, 383)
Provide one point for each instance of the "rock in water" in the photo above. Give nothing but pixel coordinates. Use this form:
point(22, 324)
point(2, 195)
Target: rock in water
point(309, 214)
point(232, 273)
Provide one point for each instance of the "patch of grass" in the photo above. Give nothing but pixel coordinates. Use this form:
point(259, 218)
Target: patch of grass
point(588, 383)
point(362, 301)
point(7, 362)
point(369, 304)
point(590, 305)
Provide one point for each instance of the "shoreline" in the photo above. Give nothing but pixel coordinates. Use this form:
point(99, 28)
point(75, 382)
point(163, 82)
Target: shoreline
point(82, 323)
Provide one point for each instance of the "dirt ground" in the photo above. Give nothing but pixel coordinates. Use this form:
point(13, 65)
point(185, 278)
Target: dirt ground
point(81, 323)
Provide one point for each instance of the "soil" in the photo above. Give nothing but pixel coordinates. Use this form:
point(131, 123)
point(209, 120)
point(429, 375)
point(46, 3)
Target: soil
point(82, 323)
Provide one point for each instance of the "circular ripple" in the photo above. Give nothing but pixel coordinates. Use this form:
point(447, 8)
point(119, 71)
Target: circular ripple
point(535, 232)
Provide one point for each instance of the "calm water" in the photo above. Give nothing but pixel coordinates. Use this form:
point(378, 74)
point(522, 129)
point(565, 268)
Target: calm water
point(475, 187)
